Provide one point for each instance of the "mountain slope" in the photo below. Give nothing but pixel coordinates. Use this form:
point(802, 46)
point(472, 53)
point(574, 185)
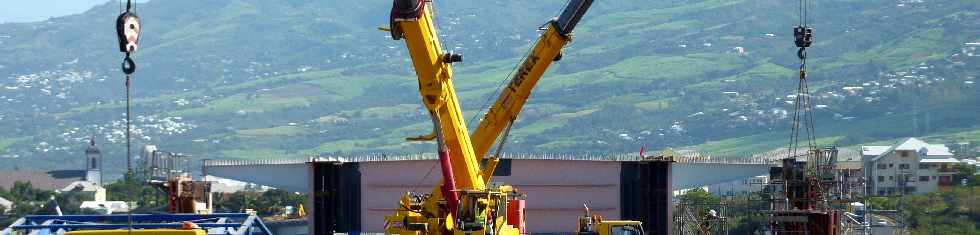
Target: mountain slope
point(250, 78)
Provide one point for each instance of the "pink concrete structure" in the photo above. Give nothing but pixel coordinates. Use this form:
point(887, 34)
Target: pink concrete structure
point(556, 185)
point(556, 189)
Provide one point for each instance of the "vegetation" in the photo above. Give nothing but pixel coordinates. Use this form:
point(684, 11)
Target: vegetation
point(267, 203)
point(698, 196)
point(28, 200)
point(148, 198)
point(966, 174)
point(654, 74)
point(954, 211)
point(741, 211)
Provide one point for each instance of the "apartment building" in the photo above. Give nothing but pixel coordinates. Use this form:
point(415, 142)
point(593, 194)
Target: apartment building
point(910, 167)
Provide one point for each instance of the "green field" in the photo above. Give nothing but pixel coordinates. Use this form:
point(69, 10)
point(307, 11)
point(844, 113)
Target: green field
point(249, 79)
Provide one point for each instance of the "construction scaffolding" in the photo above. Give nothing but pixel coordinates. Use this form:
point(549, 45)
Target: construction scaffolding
point(804, 197)
point(170, 172)
point(163, 165)
point(701, 219)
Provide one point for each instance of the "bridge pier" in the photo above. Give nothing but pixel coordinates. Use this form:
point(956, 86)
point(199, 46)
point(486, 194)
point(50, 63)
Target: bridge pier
point(647, 194)
point(334, 197)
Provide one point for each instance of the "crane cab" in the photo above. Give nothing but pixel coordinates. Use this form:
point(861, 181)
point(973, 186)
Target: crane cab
point(592, 224)
point(486, 211)
point(612, 227)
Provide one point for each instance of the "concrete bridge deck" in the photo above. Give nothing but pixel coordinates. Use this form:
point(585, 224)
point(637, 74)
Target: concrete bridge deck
point(557, 185)
point(291, 174)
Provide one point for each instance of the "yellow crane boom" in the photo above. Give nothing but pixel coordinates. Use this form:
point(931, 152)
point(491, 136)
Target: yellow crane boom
point(468, 206)
point(434, 73)
point(522, 82)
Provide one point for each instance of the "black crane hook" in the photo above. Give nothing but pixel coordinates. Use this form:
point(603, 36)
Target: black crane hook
point(128, 65)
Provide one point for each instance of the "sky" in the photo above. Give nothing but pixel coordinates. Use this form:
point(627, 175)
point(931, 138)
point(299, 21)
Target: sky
point(40, 10)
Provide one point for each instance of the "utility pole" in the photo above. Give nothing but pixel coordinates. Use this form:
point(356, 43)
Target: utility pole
point(915, 115)
point(932, 217)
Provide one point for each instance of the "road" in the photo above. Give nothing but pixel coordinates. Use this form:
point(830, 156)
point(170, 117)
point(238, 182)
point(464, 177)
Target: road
point(882, 225)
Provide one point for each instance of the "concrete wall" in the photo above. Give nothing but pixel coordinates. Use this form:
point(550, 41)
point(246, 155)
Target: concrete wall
point(885, 179)
point(931, 172)
point(292, 177)
point(692, 175)
point(556, 190)
point(739, 187)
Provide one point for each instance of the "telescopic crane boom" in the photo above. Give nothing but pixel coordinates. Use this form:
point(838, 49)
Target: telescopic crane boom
point(464, 203)
point(512, 98)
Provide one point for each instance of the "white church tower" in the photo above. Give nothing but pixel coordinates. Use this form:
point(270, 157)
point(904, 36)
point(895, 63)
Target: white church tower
point(93, 163)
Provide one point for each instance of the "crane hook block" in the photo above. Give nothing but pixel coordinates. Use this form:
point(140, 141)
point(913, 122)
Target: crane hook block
point(128, 31)
point(804, 36)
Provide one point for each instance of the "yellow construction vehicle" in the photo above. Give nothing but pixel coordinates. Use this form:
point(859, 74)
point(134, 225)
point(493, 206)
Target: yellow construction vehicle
point(187, 228)
point(464, 203)
point(593, 224)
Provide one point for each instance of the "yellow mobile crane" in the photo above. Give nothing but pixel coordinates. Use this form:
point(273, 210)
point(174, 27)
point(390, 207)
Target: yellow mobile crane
point(464, 203)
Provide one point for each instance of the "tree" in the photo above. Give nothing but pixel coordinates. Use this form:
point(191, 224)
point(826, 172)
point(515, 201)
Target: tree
point(950, 212)
point(881, 203)
point(268, 203)
point(24, 208)
point(232, 202)
point(974, 181)
point(148, 198)
point(71, 201)
point(964, 171)
point(698, 196)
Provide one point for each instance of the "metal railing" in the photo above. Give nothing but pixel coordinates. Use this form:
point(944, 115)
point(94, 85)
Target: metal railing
point(679, 158)
point(217, 223)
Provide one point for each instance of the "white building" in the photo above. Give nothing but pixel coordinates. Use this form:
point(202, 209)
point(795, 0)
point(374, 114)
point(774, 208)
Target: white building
point(910, 167)
point(5, 206)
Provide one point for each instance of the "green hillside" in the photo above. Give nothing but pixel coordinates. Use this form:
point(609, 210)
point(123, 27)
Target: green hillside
point(249, 79)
